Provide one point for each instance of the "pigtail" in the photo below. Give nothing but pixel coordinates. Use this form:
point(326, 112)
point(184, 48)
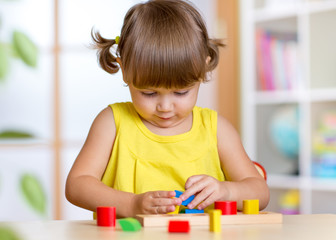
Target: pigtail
point(213, 46)
point(106, 59)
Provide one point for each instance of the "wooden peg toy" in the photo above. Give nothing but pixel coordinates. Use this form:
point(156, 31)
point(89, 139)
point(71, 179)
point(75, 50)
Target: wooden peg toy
point(178, 226)
point(215, 220)
point(227, 207)
point(106, 216)
point(129, 224)
point(251, 206)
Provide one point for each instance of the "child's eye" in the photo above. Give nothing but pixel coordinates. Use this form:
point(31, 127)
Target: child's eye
point(181, 93)
point(148, 94)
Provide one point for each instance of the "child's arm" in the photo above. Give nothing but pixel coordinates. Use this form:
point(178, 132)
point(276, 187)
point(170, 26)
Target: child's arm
point(85, 189)
point(242, 179)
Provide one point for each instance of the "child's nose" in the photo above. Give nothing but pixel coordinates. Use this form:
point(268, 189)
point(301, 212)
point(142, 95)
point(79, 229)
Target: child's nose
point(165, 104)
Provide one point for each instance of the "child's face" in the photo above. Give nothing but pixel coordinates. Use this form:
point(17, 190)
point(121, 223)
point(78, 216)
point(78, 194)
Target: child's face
point(164, 108)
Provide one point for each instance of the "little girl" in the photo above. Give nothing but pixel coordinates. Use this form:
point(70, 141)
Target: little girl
point(137, 153)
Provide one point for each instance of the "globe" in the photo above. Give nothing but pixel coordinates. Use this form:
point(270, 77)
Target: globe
point(284, 131)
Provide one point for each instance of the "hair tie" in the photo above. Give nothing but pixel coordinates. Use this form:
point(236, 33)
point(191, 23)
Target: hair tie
point(117, 39)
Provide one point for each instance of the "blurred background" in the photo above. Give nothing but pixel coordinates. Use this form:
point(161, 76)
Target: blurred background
point(276, 83)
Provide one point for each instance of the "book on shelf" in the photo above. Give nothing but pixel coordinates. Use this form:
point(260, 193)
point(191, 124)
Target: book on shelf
point(276, 60)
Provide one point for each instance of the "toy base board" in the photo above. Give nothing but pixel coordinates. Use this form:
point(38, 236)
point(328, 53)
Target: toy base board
point(202, 219)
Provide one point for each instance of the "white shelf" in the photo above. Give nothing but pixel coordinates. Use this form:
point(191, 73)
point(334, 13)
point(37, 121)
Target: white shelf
point(298, 182)
point(313, 23)
point(321, 6)
point(323, 184)
point(320, 95)
point(265, 15)
point(283, 181)
point(277, 97)
point(275, 13)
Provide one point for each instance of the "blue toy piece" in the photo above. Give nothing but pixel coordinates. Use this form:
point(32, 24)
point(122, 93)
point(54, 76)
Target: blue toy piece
point(187, 201)
point(178, 193)
point(188, 211)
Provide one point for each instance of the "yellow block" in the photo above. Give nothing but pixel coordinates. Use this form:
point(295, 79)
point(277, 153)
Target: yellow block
point(215, 220)
point(177, 209)
point(251, 206)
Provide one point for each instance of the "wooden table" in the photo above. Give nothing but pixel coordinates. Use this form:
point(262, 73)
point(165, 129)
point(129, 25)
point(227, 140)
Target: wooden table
point(314, 227)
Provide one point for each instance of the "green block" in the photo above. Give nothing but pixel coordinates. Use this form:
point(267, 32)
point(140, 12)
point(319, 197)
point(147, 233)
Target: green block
point(130, 224)
point(182, 210)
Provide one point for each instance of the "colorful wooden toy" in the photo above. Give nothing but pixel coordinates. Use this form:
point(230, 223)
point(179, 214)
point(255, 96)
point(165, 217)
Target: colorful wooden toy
point(227, 207)
point(251, 206)
point(190, 211)
point(187, 201)
point(178, 193)
point(215, 220)
point(129, 224)
point(178, 226)
point(106, 216)
point(202, 219)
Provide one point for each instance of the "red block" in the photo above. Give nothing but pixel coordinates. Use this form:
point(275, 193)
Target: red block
point(178, 226)
point(106, 216)
point(227, 207)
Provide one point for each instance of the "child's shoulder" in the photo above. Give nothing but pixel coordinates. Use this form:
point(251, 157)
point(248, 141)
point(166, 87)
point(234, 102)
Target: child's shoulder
point(121, 105)
point(122, 109)
point(224, 124)
point(225, 130)
point(203, 111)
point(103, 123)
point(221, 120)
point(104, 115)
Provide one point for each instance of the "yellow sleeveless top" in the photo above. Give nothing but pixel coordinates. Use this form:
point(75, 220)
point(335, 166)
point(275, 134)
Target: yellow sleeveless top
point(142, 161)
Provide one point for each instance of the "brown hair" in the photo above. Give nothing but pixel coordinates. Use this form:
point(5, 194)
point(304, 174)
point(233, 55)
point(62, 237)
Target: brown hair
point(163, 43)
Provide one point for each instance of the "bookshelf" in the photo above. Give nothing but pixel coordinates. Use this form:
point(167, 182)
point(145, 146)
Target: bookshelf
point(306, 26)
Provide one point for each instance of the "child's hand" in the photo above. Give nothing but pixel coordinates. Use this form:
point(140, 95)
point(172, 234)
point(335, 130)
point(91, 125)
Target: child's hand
point(206, 189)
point(156, 202)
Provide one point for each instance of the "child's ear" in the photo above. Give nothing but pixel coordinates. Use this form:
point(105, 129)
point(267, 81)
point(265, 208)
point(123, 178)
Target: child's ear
point(121, 67)
point(208, 59)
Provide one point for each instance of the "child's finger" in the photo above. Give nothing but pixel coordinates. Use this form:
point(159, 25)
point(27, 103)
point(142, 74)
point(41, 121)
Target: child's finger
point(195, 188)
point(163, 209)
point(205, 203)
point(164, 194)
point(165, 198)
point(200, 199)
point(166, 201)
point(192, 180)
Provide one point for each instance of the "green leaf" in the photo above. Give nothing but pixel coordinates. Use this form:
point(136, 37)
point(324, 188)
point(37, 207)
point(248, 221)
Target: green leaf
point(4, 61)
point(15, 134)
point(33, 191)
point(25, 48)
point(8, 234)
